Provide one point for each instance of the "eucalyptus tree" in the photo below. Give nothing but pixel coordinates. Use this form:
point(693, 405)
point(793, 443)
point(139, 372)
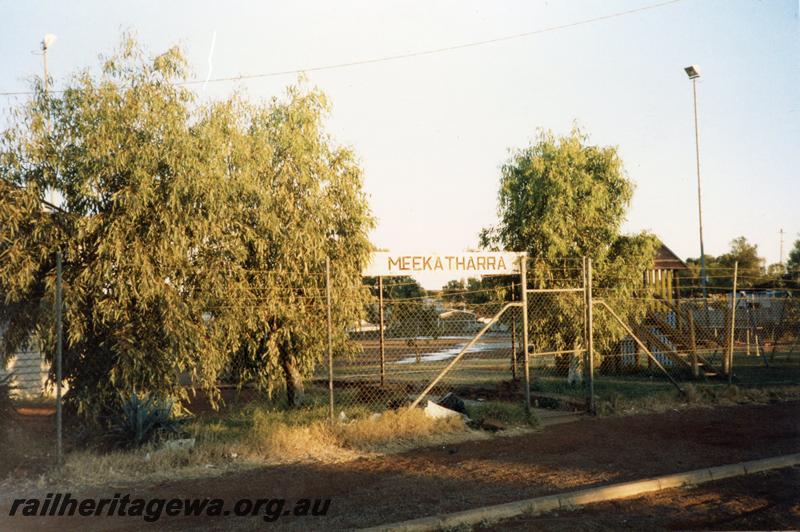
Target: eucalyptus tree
point(793, 264)
point(561, 199)
point(194, 235)
point(299, 200)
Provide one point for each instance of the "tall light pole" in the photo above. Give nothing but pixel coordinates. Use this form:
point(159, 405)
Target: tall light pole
point(693, 72)
point(48, 41)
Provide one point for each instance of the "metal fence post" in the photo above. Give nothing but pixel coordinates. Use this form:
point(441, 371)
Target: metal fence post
point(733, 323)
point(693, 345)
point(585, 329)
point(330, 335)
point(523, 273)
point(513, 338)
point(381, 325)
point(59, 353)
point(590, 333)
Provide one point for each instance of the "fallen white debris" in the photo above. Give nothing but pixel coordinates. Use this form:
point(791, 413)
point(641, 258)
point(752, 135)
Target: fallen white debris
point(435, 411)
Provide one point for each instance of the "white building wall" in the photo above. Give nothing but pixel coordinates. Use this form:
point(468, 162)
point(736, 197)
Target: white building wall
point(29, 370)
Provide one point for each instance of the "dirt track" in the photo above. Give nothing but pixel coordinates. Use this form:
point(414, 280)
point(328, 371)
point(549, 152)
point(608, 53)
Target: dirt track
point(436, 480)
point(765, 501)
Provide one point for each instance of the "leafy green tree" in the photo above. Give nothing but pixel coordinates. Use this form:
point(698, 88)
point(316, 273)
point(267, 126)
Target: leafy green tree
point(480, 291)
point(776, 270)
point(400, 287)
point(407, 311)
point(194, 236)
point(689, 282)
point(793, 264)
point(719, 270)
point(561, 199)
point(746, 254)
point(476, 291)
point(453, 291)
point(304, 202)
point(400, 291)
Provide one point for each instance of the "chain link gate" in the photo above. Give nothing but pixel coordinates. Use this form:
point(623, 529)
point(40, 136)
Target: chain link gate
point(427, 345)
point(417, 343)
point(560, 324)
point(555, 324)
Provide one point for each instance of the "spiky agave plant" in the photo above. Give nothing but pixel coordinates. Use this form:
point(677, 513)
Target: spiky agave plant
point(143, 419)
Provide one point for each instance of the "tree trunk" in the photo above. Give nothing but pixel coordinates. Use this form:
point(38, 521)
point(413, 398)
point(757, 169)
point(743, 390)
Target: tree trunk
point(294, 381)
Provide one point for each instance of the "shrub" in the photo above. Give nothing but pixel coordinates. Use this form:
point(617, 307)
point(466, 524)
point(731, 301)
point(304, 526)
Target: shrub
point(142, 420)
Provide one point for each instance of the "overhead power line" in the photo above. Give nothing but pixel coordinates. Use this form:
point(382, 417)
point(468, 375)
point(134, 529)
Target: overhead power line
point(435, 51)
point(419, 53)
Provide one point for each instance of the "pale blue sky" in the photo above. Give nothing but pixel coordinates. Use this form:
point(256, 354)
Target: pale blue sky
point(432, 131)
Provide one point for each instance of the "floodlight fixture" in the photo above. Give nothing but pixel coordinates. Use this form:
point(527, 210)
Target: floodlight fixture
point(693, 71)
point(48, 41)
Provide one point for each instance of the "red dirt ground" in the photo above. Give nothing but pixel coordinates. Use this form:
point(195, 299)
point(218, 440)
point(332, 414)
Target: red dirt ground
point(446, 479)
point(765, 501)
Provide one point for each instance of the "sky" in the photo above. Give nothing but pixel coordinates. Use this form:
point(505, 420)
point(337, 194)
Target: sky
point(432, 131)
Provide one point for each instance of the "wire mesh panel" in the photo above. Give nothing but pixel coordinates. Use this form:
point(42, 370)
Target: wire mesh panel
point(688, 336)
point(766, 348)
point(490, 366)
point(423, 332)
point(557, 353)
point(647, 337)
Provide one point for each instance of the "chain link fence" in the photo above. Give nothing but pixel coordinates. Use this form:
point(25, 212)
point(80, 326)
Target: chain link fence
point(749, 340)
point(423, 335)
point(646, 340)
point(558, 345)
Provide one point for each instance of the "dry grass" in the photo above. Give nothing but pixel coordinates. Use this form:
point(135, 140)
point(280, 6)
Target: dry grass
point(86, 468)
point(273, 441)
point(396, 429)
point(320, 441)
point(268, 439)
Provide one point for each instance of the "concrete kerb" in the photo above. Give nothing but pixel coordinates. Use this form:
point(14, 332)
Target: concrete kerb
point(573, 499)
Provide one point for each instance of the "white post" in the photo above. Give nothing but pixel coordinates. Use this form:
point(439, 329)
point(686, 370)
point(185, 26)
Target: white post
point(733, 323)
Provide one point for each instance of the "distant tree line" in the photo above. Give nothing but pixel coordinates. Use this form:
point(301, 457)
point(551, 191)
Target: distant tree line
point(752, 270)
